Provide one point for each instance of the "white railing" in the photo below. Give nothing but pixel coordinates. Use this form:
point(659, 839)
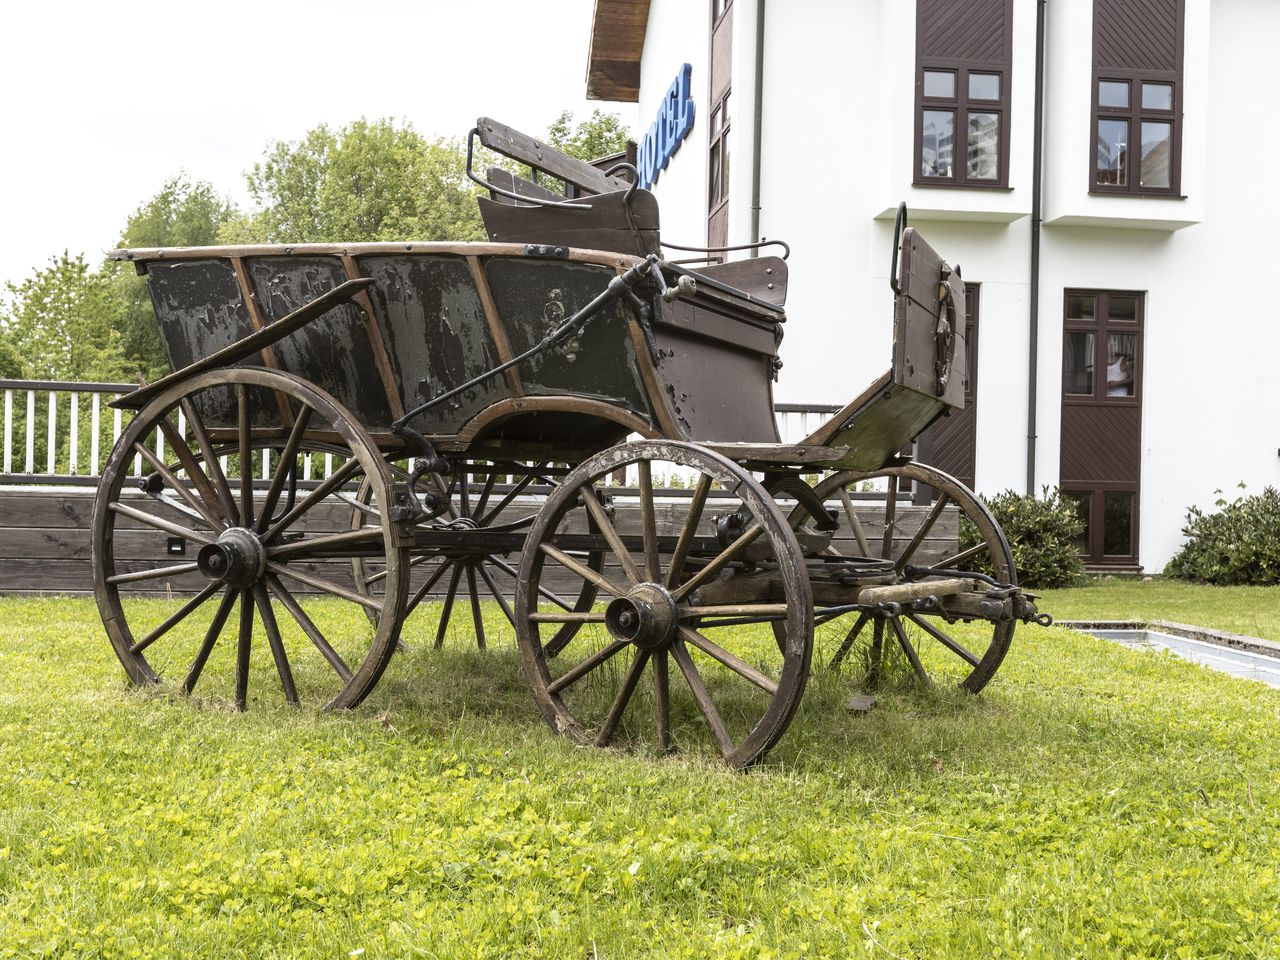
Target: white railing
point(61, 432)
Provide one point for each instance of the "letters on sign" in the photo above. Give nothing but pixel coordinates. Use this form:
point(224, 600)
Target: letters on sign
point(675, 118)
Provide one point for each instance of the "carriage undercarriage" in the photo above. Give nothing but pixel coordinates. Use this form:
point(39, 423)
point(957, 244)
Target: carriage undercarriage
point(638, 608)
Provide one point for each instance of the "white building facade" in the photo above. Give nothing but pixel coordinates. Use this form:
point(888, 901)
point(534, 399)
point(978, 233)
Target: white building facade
point(1126, 338)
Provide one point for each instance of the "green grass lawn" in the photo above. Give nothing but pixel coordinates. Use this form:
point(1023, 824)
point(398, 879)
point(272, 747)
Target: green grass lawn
point(1094, 801)
point(1254, 611)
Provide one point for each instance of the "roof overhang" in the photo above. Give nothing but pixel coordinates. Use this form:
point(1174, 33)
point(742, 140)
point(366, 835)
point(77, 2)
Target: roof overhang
point(617, 42)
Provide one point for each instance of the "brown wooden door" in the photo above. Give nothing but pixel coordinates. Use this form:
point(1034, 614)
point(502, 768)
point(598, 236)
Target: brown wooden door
point(951, 443)
point(1102, 420)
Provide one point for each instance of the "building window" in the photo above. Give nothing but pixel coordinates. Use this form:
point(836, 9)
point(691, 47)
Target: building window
point(718, 130)
point(1137, 97)
point(718, 163)
point(963, 58)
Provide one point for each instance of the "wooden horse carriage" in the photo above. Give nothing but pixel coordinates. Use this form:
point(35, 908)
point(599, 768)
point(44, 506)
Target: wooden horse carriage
point(352, 429)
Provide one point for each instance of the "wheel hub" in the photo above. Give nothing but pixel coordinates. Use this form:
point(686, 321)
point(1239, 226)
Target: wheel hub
point(646, 617)
point(237, 558)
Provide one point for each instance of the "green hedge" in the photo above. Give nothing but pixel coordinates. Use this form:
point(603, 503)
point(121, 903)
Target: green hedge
point(1240, 544)
point(1042, 534)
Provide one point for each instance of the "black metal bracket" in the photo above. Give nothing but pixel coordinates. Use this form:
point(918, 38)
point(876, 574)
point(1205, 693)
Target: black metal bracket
point(899, 225)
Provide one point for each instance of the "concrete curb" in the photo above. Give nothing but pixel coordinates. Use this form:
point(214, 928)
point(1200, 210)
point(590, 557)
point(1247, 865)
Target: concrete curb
point(1239, 641)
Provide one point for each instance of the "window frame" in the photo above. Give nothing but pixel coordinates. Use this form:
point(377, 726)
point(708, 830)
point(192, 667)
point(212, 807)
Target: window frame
point(1136, 115)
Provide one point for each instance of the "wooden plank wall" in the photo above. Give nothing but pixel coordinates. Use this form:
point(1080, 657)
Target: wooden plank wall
point(45, 539)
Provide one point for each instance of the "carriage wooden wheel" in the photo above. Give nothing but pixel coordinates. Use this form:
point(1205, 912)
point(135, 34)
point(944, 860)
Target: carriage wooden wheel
point(464, 578)
point(738, 688)
point(934, 645)
point(259, 552)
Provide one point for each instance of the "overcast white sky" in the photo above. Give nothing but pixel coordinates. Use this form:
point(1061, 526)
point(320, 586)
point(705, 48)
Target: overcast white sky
point(101, 102)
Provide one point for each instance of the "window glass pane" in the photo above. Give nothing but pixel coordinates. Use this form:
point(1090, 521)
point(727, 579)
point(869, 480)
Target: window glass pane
point(724, 177)
point(940, 83)
point(724, 109)
point(1157, 96)
point(1081, 306)
point(1080, 502)
point(1113, 93)
point(1123, 309)
point(714, 127)
point(984, 86)
point(1117, 524)
point(713, 187)
point(1157, 142)
point(1077, 379)
point(984, 146)
point(937, 143)
point(1122, 367)
point(1113, 147)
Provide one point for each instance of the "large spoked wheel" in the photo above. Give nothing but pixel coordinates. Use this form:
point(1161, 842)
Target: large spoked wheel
point(739, 688)
point(931, 647)
point(276, 557)
point(482, 496)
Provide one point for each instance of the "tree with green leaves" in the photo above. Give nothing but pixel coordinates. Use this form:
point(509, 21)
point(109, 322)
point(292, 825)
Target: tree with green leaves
point(368, 180)
point(600, 135)
point(183, 214)
point(64, 322)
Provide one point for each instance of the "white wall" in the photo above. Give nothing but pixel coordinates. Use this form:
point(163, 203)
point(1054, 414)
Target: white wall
point(837, 156)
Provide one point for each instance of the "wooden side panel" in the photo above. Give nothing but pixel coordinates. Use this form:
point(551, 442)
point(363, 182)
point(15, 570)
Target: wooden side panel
point(1100, 444)
point(916, 313)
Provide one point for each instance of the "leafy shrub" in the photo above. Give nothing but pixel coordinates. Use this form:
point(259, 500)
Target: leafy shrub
point(1240, 544)
point(1042, 534)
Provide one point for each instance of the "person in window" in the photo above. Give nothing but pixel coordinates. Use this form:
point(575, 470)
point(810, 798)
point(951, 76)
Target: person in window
point(1120, 375)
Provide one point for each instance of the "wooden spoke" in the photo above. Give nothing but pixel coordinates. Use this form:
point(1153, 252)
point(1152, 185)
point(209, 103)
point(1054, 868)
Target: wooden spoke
point(890, 516)
point(176, 618)
point(155, 573)
point(511, 494)
point(877, 649)
point(178, 487)
point(246, 458)
point(586, 616)
point(648, 522)
point(929, 521)
point(542, 591)
point(703, 698)
point(413, 562)
point(210, 638)
point(586, 666)
point(495, 591)
point(945, 640)
point(733, 662)
point(335, 480)
point(734, 610)
point(909, 650)
point(221, 488)
point(205, 487)
point(447, 611)
point(160, 523)
point(290, 603)
point(716, 565)
point(585, 572)
point(855, 524)
point(476, 618)
point(662, 699)
point(302, 548)
point(287, 464)
point(274, 640)
point(486, 491)
point(601, 518)
point(848, 640)
point(423, 590)
point(610, 725)
point(324, 585)
point(962, 556)
point(690, 530)
point(242, 650)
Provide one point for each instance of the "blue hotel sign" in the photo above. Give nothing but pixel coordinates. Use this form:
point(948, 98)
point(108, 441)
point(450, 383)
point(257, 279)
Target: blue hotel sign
point(675, 118)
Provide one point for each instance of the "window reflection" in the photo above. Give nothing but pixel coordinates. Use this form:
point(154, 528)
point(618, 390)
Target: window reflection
point(1157, 96)
point(1157, 142)
point(1121, 364)
point(1081, 307)
point(984, 145)
point(1121, 308)
point(939, 83)
point(937, 144)
point(1117, 524)
point(1113, 146)
point(1113, 93)
point(1080, 504)
point(984, 86)
point(1078, 364)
